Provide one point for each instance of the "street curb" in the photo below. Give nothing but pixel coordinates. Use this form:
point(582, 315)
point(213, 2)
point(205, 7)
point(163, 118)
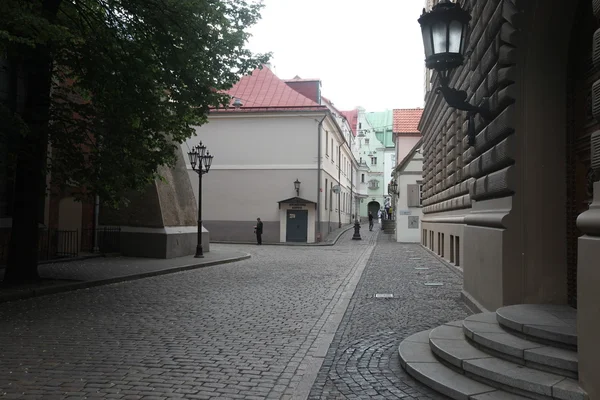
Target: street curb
point(101, 282)
point(290, 244)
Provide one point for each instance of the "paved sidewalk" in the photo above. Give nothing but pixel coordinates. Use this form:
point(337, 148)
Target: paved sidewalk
point(362, 361)
point(73, 275)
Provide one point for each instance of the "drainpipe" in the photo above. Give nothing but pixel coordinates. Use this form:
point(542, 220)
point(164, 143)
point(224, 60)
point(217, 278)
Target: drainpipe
point(351, 183)
point(319, 135)
point(340, 187)
point(96, 214)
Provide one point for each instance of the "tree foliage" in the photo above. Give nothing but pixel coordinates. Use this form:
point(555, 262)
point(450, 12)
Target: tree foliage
point(129, 80)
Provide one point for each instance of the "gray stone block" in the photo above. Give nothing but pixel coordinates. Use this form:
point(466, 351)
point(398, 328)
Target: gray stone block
point(446, 381)
point(554, 323)
point(569, 389)
point(455, 351)
point(503, 372)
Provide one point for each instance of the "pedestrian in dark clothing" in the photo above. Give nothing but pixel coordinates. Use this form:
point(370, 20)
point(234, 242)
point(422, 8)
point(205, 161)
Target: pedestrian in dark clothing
point(370, 221)
point(258, 229)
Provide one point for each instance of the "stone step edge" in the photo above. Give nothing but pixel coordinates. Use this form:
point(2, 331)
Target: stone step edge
point(538, 334)
point(447, 355)
point(547, 363)
point(447, 382)
point(495, 372)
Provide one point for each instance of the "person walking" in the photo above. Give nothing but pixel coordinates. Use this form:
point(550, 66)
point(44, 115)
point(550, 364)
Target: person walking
point(258, 229)
point(370, 221)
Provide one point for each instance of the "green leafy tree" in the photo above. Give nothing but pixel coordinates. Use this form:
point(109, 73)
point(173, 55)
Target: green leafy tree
point(108, 88)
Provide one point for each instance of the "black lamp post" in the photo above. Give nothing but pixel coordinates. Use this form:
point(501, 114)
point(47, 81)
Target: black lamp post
point(297, 186)
point(201, 160)
point(445, 30)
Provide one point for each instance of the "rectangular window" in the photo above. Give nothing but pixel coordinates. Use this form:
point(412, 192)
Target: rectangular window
point(326, 143)
point(362, 178)
point(331, 196)
point(373, 160)
point(367, 141)
point(457, 251)
point(439, 243)
point(424, 241)
point(326, 186)
point(451, 248)
point(420, 195)
point(414, 199)
point(332, 153)
point(443, 245)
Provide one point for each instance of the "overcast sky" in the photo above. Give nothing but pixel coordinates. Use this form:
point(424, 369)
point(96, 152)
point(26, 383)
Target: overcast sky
point(367, 53)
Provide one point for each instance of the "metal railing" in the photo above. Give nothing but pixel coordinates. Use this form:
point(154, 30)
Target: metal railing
point(55, 244)
point(109, 240)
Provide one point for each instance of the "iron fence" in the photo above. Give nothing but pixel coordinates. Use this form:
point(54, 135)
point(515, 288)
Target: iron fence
point(55, 243)
point(109, 240)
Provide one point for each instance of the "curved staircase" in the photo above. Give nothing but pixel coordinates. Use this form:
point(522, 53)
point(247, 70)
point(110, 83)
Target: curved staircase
point(519, 352)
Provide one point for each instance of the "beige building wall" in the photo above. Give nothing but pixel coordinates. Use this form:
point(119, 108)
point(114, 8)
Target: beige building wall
point(257, 158)
point(408, 217)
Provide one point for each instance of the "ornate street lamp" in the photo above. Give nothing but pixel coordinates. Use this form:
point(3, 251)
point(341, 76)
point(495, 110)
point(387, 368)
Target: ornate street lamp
point(445, 32)
point(297, 186)
point(201, 160)
point(393, 187)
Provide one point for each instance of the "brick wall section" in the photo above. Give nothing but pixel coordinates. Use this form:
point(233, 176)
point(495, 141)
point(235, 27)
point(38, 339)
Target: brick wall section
point(455, 174)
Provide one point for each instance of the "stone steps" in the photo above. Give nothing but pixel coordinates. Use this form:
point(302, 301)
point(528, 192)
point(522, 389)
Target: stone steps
point(486, 334)
point(478, 359)
point(418, 360)
point(545, 323)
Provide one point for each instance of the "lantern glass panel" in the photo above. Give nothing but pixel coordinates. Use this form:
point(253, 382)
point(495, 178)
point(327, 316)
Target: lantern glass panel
point(201, 150)
point(426, 31)
point(455, 35)
point(207, 162)
point(440, 38)
point(193, 158)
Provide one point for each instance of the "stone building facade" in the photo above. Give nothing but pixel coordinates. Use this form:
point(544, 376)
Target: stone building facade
point(519, 210)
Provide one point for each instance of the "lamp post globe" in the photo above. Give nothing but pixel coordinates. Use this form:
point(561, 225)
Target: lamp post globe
point(444, 31)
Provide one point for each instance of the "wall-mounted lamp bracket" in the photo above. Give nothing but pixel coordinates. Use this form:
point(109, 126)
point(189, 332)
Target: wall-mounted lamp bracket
point(458, 99)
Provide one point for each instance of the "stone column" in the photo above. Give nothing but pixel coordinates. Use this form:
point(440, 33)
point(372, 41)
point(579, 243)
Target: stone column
point(588, 300)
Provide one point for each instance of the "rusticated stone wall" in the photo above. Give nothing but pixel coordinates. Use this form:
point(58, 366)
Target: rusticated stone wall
point(454, 173)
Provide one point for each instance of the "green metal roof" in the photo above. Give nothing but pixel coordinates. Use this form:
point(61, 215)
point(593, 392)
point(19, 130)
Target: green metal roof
point(383, 123)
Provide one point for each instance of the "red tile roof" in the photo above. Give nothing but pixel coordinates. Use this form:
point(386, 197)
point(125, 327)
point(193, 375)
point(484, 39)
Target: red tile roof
point(352, 117)
point(263, 91)
point(406, 120)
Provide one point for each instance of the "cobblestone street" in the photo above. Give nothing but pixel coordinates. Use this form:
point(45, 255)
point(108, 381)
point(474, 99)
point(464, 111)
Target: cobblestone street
point(362, 361)
point(255, 329)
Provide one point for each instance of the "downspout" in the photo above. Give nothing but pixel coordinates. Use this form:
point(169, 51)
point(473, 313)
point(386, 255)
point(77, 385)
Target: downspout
point(96, 249)
point(318, 224)
point(339, 186)
point(351, 183)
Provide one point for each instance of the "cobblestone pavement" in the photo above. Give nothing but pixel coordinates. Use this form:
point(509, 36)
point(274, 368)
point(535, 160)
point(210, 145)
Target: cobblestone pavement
point(362, 361)
point(254, 329)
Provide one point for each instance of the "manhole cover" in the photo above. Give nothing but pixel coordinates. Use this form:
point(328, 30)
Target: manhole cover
point(384, 296)
point(433, 284)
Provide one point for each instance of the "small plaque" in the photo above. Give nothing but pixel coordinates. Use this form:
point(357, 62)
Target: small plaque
point(433, 284)
point(384, 296)
point(421, 269)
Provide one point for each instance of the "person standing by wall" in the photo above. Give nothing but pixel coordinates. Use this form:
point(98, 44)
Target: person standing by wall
point(258, 229)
